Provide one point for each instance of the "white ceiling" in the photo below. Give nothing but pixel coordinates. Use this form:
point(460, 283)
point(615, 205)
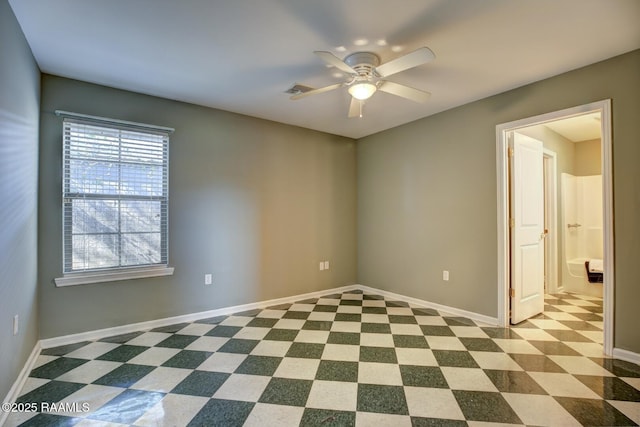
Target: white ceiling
point(585, 127)
point(242, 55)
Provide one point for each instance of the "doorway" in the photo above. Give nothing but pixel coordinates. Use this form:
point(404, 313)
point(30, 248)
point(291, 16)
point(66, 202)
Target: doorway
point(603, 108)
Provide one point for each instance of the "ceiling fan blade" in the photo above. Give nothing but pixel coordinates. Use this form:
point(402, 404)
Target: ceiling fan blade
point(410, 60)
point(404, 91)
point(316, 91)
point(331, 59)
point(355, 108)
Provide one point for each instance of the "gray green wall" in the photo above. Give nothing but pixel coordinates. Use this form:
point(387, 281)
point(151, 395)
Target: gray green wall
point(427, 193)
point(256, 203)
point(564, 148)
point(19, 117)
point(588, 158)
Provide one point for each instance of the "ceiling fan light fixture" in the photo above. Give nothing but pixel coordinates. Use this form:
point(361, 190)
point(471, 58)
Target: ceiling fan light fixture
point(363, 90)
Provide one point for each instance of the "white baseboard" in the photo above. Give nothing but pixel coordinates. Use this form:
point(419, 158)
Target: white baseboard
point(493, 321)
point(626, 355)
point(19, 382)
point(141, 326)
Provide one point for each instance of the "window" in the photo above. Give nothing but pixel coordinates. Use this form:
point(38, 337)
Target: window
point(115, 196)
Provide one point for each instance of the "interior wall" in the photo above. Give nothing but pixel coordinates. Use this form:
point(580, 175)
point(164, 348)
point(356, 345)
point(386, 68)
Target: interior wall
point(19, 117)
point(427, 193)
point(588, 158)
point(256, 203)
point(564, 148)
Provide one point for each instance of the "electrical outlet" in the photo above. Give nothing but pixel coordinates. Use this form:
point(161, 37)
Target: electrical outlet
point(207, 279)
point(326, 265)
point(16, 318)
point(321, 265)
point(445, 275)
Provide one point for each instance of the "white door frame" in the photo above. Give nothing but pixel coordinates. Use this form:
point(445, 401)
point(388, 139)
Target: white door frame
point(604, 107)
point(551, 213)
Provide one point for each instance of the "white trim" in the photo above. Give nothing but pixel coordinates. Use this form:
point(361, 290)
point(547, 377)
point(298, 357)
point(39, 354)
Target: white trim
point(607, 217)
point(444, 309)
point(133, 327)
point(502, 216)
point(626, 355)
point(604, 107)
point(192, 317)
point(551, 208)
point(74, 279)
point(105, 120)
point(20, 381)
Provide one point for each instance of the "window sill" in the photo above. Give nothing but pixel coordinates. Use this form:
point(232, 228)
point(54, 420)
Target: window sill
point(74, 279)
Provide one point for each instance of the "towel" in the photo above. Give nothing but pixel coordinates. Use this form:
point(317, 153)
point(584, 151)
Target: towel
point(596, 266)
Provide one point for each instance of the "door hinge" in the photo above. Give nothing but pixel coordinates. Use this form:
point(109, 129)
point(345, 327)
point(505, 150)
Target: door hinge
point(512, 292)
point(512, 222)
point(510, 151)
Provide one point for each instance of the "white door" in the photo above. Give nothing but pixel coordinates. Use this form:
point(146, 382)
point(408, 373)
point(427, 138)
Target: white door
point(527, 231)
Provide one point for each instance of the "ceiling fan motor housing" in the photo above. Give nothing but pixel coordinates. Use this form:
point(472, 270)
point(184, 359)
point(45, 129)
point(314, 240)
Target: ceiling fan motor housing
point(363, 62)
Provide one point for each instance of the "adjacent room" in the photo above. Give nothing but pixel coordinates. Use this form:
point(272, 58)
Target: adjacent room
point(285, 212)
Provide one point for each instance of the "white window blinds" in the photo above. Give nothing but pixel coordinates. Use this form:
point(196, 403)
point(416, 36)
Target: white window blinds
point(115, 195)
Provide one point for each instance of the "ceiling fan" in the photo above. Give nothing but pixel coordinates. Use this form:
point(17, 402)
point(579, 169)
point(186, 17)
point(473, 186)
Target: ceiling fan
point(366, 77)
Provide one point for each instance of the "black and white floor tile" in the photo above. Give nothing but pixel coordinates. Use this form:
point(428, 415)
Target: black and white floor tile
point(343, 359)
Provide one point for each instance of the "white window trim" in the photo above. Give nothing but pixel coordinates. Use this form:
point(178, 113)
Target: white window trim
point(84, 278)
point(97, 119)
point(126, 273)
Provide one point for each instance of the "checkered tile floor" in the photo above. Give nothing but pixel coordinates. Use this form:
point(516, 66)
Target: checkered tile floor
point(343, 359)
